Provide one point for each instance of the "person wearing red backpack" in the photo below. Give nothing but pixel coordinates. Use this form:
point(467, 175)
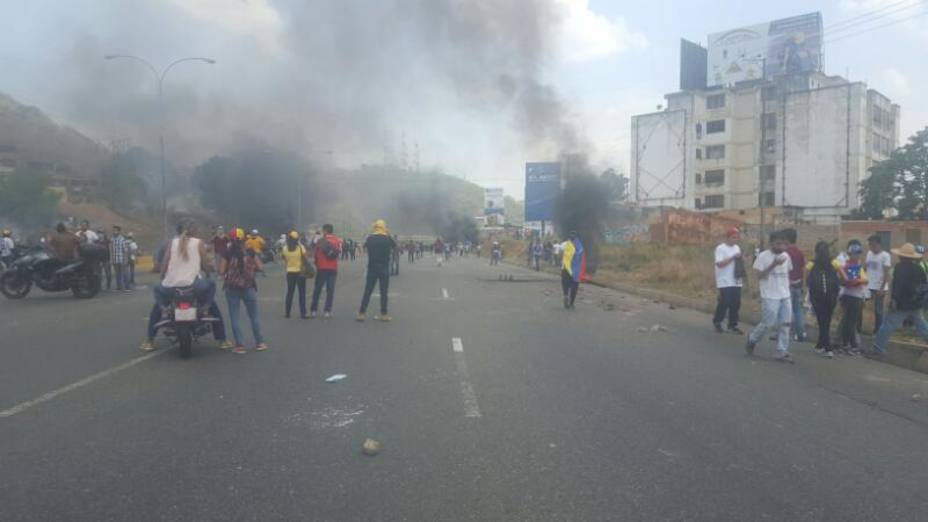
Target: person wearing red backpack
point(238, 271)
point(328, 248)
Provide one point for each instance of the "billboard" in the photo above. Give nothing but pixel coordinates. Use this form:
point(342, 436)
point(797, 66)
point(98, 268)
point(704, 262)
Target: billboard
point(659, 153)
point(542, 187)
point(493, 202)
point(693, 63)
point(786, 46)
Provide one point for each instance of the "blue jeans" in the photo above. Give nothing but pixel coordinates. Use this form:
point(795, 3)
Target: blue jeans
point(206, 288)
point(799, 318)
point(121, 271)
point(892, 321)
point(234, 298)
point(878, 301)
point(775, 314)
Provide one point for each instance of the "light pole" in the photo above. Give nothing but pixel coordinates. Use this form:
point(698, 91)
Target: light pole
point(159, 77)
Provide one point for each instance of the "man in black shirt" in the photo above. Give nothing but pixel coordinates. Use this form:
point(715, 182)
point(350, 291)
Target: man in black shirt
point(379, 246)
point(908, 288)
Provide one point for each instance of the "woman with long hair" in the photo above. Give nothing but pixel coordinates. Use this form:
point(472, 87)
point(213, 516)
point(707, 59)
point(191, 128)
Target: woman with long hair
point(238, 270)
point(824, 284)
point(295, 258)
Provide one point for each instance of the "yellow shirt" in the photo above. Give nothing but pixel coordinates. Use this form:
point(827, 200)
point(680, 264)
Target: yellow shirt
point(294, 259)
point(255, 243)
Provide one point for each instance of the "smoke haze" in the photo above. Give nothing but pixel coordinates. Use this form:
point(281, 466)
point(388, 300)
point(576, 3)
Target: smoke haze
point(466, 80)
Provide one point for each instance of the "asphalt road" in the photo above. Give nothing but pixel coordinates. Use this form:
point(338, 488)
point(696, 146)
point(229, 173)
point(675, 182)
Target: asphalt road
point(542, 414)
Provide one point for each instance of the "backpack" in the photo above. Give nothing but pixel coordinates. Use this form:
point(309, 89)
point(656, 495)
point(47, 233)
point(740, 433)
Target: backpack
point(824, 284)
point(241, 276)
point(328, 250)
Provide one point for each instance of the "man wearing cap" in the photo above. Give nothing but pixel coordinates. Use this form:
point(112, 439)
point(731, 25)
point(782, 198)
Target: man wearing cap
point(379, 245)
point(729, 281)
point(906, 299)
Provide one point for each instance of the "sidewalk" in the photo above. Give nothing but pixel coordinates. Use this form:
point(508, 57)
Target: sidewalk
point(903, 354)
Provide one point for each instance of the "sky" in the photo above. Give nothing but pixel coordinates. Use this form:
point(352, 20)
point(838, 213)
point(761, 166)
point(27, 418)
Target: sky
point(481, 86)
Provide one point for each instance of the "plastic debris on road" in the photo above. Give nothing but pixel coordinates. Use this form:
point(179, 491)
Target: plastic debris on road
point(337, 377)
point(917, 397)
point(370, 447)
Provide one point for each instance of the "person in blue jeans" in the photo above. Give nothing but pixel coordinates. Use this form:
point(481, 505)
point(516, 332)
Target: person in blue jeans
point(772, 267)
point(907, 299)
point(238, 270)
point(796, 278)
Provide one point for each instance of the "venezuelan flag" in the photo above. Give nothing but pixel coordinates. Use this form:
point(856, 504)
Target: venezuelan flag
point(575, 259)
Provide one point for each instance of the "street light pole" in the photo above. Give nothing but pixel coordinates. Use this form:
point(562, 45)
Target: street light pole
point(159, 77)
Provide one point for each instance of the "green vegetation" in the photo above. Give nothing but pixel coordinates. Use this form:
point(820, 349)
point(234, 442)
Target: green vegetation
point(120, 185)
point(900, 182)
point(26, 199)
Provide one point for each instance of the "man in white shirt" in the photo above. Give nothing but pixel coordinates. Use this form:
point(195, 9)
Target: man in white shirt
point(772, 267)
point(879, 263)
point(728, 282)
point(6, 247)
point(87, 235)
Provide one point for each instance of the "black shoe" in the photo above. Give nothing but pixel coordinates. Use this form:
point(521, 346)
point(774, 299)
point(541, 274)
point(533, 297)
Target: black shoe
point(736, 330)
point(566, 302)
point(749, 347)
point(718, 328)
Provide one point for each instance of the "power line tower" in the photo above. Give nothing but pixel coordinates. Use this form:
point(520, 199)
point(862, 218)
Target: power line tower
point(404, 156)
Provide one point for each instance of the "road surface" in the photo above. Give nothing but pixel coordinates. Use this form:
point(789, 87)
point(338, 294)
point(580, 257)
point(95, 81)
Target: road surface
point(490, 400)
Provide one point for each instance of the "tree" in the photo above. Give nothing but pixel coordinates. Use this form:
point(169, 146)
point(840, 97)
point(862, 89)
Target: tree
point(899, 182)
point(26, 199)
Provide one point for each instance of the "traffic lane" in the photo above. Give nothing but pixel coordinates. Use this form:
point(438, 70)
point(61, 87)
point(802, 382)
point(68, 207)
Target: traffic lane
point(53, 339)
point(688, 428)
point(258, 437)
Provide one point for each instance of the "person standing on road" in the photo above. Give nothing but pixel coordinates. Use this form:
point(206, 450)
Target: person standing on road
point(854, 280)
point(908, 296)
point(86, 235)
point(326, 255)
point(133, 256)
point(119, 258)
point(729, 279)
point(824, 285)
point(238, 271)
point(573, 268)
point(496, 253)
point(879, 263)
point(410, 252)
point(379, 246)
point(796, 276)
point(220, 244)
point(772, 267)
point(295, 259)
point(439, 250)
point(537, 253)
point(104, 241)
point(395, 257)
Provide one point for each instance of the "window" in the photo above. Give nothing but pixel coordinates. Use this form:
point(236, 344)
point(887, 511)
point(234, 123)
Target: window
point(768, 172)
point(716, 201)
point(698, 203)
point(715, 177)
point(770, 145)
point(715, 126)
point(698, 153)
point(698, 130)
point(715, 152)
point(767, 199)
point(878, 117)
point(698, 178)
point(715, 101)
point(769, 121)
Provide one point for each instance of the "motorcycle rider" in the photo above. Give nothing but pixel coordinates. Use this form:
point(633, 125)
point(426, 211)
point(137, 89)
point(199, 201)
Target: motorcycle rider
point(183, 260)
point(6, 247)
point(64, 244)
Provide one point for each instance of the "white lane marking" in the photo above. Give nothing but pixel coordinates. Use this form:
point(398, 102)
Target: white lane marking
point(23, 406)
point(471, 409)
point(444, 294)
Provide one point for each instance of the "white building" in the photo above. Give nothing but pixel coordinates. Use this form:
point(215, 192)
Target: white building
point(802, 140)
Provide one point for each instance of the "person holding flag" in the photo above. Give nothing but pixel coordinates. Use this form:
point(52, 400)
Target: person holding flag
point(573, 267)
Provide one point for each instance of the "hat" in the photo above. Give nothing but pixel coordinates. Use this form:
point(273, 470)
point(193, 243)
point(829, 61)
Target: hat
point(294, 234)
point(907, 250)
point(856, 249)
point(254, 231)
point(733, 231)
point(380, 227)
point(237, 233)
point(130, 234)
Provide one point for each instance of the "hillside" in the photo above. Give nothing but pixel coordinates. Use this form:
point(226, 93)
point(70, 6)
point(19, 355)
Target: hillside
point(27, 135)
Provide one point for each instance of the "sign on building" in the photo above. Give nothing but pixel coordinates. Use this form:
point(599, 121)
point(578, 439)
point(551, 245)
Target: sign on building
point(494, 206)
point(542, 187)
point(786, 46)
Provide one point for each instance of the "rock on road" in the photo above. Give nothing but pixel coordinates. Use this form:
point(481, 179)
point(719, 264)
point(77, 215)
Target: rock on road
point(488, 401)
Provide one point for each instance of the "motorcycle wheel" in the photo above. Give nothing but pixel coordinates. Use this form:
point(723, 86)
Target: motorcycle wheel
point(184, 341)
point(14, 287)
point(86, 287)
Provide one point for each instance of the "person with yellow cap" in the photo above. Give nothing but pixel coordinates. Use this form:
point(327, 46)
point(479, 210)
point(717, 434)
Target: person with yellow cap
point(295, 258)
point(906, 300)
point(379, 246)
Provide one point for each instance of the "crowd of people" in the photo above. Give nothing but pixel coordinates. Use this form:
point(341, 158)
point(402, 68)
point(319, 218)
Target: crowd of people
point(852, 281)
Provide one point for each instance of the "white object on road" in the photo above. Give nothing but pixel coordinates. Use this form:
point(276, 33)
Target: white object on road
point(471, 409)
point(444, 294)
point(457, 345)
point(337, 377)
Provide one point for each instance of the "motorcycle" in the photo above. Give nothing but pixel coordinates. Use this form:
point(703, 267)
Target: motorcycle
point(38, 267)
point(183, 323)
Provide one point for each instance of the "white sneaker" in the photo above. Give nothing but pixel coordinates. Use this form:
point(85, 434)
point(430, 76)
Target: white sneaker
point(820, 351)
point(829, 355)
point(327, 315)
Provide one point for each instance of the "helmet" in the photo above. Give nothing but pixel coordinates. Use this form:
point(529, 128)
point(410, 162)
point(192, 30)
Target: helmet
point(254, 231)
point(238, 234)
point(293, 235)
